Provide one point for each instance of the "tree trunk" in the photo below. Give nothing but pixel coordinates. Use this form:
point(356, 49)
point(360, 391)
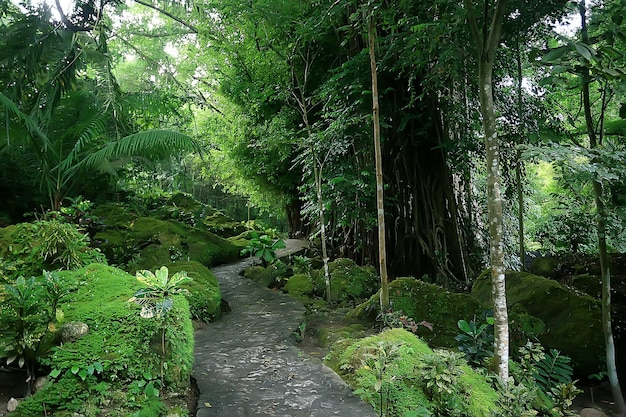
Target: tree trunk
point(494, 198)
point(382, 255)
point(518, 160)
point(487, 40)
point(605, 271)
point(317, 173)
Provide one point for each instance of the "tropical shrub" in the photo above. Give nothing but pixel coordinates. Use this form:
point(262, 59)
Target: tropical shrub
point(476, 340)
point(409, 376)
point(263, 247)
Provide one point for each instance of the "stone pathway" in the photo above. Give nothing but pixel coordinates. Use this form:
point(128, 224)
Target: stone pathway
point(247, 366)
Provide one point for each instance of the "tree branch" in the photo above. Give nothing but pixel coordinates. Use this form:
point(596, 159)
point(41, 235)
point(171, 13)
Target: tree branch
point(168, 14)
point(471, 20)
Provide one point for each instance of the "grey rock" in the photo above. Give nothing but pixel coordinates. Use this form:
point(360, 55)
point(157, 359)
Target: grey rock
point(39, 383)
point(591, 412)
point(12, 405)
point(73, 330)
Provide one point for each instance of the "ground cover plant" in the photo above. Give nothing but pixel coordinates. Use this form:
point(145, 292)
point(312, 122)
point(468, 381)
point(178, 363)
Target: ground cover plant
point(116, 366)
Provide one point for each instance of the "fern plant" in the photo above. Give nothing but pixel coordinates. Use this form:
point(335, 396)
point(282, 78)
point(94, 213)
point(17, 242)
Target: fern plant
point(552, 370)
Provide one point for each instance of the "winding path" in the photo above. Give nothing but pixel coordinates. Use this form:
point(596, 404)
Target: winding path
point(247, 366)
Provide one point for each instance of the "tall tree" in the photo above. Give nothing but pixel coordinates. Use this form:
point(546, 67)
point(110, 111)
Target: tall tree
point(380, 185)
point(486, 40)
point(595, 142)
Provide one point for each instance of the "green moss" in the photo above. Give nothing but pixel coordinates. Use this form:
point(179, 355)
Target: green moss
point(480, 397)
point(299, 285)
point(572, 320)
point(403, 388)
point(349, 282)
point(546, 266)
point(158, 241)
point(254, 272)
point(265, 277)
point(432, 303)
point(127, 346)
point(222, 225)
point(589, 284)
point(328, 336)
point(115, 215)
point(204, 293)
point(240, 241)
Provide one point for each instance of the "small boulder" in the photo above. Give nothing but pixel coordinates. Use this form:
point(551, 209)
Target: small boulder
point(12, 405)
point(591, 412)
point(73, 330)
point(39, 383)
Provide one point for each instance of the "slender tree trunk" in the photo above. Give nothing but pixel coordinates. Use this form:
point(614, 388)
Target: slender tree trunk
point(605, 271)
point(518, 160)
point(382, 248)
point(487, 40)
point(496, 247)
point(317, 173)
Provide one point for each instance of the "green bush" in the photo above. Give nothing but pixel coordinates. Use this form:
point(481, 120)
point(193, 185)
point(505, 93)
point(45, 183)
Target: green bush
point(410, 376)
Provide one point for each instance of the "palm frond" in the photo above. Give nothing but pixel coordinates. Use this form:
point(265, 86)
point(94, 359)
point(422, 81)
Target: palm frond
point(84, 133)
point(151, 144)
point(30, 124)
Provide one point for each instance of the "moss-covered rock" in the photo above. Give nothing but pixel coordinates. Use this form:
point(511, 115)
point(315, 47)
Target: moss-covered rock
point(348, 282)
point(265, 277)
point(115, 215)
point(403, 385)
point(572, 320)
point(203, 291)
point(154, 242)
point(589, 284)
point(299, 285)
point(432, 303)
point(330, 335)
point(222, 225)
point(546, 266)
point(120, 350)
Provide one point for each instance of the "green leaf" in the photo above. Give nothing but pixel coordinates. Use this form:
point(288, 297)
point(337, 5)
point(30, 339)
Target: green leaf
point(54, 373)
point(75, 369)
point(464, 326)
point(378, 385)
point(555, 54)
point(98, 366)
point(584, 50)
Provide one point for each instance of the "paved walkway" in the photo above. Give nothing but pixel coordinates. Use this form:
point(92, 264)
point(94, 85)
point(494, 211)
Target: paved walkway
point(247, 366)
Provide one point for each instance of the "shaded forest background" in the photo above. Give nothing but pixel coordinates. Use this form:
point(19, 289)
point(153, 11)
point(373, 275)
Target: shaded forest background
point(272, 91)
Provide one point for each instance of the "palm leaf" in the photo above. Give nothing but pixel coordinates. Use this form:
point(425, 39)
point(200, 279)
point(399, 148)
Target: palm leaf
point(151, 144)
point(85, 132)
point(30, 124)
